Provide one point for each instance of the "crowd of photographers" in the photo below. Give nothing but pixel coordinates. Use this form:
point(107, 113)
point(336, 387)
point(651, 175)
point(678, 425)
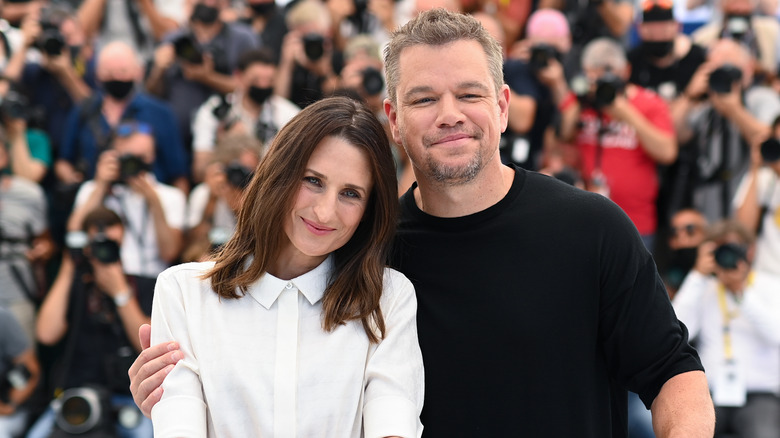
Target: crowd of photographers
point(130, 129)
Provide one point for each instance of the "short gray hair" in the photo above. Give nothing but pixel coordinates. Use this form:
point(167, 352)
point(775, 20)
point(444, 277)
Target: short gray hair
point(604, 53)
point(438, 27)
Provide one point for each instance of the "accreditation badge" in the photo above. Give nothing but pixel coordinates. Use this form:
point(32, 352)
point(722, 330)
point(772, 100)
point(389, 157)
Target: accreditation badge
point(729, 389)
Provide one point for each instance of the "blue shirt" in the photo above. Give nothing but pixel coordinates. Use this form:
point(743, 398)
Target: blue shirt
point(80, 148)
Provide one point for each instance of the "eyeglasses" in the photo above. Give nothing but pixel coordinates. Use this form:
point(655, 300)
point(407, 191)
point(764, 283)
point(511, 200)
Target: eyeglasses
point(690, 230)
point(661, 4)
point(126, 129)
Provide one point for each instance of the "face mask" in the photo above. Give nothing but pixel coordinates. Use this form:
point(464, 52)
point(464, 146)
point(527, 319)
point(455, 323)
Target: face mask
point(263, 9)
point(259, 95)
point(658, 49)
point(118, 89)
point(205, 14)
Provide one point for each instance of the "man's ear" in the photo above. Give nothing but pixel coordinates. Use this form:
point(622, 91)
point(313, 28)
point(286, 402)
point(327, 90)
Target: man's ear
point(392, 118)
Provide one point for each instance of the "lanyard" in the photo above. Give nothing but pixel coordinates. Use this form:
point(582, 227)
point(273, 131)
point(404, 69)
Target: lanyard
point(139, 234)
point(728, 349)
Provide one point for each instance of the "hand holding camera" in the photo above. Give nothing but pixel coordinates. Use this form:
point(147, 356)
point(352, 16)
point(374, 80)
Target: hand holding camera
point(725, 89)
point(107, 168)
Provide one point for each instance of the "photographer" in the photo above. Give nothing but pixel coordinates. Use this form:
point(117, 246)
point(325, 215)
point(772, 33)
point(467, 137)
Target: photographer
point(731, 310)
point(30, 154)
point(252, 109)
point(197, 60)
point(310, 62)
point(91, 124)
point(539, 86)
point(212, 206)
point(757, 203)
point(152, 212)
point(624, 132)
point(96, 309)
point(55, 66)
point(728, 116)
point(19, 375)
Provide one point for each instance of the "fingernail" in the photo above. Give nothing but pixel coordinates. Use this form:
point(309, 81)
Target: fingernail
point(168, 369)
point(176, 356)
point(172, 346)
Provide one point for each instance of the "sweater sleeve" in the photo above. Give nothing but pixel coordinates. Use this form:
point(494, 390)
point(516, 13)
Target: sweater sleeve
point(394, 370)
point(182, 411)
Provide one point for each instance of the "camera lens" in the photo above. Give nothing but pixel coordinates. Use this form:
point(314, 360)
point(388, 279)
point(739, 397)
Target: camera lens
point(770, 150)
point(722, 78)
point(373, 81)
point(728, 255)
point(314, 46)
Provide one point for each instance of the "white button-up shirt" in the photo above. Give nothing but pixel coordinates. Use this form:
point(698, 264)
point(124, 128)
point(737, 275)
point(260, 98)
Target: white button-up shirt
point(262, 365)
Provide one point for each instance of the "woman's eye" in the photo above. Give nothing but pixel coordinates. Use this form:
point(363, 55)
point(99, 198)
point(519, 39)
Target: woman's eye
point(312, 180)
point(351, 194)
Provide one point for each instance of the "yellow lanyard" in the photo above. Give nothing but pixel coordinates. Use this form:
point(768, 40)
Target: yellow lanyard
point(728, 349)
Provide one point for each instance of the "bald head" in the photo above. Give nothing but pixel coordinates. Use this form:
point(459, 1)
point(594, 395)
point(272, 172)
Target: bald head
point(728, 51)
point(118, 61)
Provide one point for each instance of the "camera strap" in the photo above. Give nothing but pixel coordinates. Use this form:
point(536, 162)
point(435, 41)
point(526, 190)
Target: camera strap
point(138, 235)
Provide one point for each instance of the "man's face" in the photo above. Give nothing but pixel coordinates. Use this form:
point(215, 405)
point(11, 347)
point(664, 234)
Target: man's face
point(140, 145)
point(658, 30)
point(447, 114)
point(259, 75)
point(687, 230)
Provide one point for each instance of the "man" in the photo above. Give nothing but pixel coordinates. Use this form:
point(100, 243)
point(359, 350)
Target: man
point(539, 87)
point(96, 309)
point(624, 131)
point(728, 116)
point(252, 109)
point(153, 212)
point(516, 340)
point(732, 310)
point(687, 230)
point(91, 124)
point(198, 60)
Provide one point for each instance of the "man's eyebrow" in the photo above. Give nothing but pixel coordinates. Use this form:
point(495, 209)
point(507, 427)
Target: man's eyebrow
point(418, 89)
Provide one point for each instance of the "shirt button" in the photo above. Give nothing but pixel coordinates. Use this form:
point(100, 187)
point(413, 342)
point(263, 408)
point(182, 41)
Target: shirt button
point(289, 286)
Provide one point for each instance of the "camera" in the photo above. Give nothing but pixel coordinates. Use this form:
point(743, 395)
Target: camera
point(84, 410)
point(770, 150)
point(608, 86)
point(51, 41)
point(103, 249)
point(264, 131)
point(131, 165)
point(728, 255)
point(238, 175)
point(314, 46)
point(14, 105)
point(187, 48)
point(722, 78)
point(373, 83)
point(541, 54)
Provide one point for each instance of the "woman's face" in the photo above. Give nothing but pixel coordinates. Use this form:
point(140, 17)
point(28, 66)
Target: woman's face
point(330, 202)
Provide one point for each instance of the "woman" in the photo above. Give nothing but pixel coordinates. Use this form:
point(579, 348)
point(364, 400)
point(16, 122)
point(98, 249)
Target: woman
point(297, 328)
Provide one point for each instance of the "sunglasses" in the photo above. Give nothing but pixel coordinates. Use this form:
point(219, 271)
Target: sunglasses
point(127, 129)
point(690, 230)
point(661, 4)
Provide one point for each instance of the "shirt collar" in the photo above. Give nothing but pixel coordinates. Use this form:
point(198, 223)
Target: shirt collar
point(311, 284)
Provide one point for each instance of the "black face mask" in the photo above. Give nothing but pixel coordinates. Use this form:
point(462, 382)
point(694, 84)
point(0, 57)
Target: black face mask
point(657, 49)
point(259, 95)
point(205, 14)
point(681, 261)
point(262, 9)
point(119, 90)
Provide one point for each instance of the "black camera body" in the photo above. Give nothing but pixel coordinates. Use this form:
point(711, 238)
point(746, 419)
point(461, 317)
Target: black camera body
point(722, 78)
point(728, 255)
point(50, 42)
point(770, 150)
point(313, 46)
point(14, 105)
point(103, 249)
point(238, 175)
point(373, 82)
point(608, 87)
point(541, 54)
point(130, 166)
point(186, 47)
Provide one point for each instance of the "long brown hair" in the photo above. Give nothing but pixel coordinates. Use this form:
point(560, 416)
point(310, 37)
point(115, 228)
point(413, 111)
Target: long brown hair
point(355, 287)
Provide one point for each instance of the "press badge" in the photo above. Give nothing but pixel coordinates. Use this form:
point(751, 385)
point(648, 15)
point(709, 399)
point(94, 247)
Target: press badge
point(520, 149)
point(730, 386)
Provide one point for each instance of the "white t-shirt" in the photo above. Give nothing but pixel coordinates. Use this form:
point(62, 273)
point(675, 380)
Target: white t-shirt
point(196, 206)
point(262, 365)
point(276, 111)
point(139, 251)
